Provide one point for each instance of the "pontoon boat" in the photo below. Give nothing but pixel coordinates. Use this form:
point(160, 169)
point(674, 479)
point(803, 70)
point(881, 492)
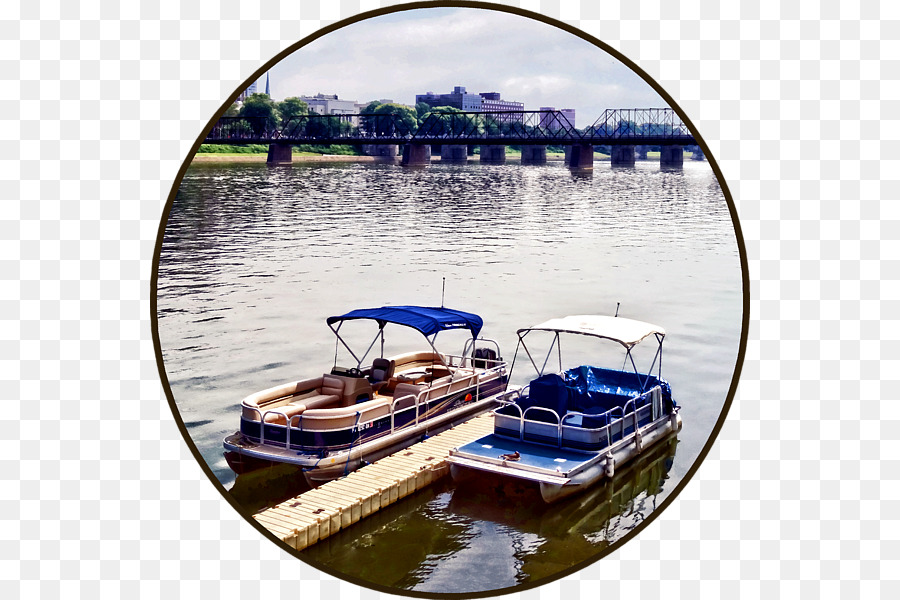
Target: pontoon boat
point(566, 430)
point(332, 424)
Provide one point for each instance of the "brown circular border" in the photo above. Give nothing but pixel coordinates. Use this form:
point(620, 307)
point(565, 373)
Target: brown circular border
point(742, 250)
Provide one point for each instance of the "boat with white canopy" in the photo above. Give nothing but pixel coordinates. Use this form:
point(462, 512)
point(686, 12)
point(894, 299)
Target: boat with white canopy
point(569, 428)
point(331, 424)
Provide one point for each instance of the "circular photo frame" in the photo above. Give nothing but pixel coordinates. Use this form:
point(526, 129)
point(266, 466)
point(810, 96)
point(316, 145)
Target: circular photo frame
point(415, 338)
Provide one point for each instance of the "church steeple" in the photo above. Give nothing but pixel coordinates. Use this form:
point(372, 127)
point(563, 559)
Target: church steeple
point(267, 85)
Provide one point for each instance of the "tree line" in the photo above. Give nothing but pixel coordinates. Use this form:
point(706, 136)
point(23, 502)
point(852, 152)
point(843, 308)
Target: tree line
point(388, 119)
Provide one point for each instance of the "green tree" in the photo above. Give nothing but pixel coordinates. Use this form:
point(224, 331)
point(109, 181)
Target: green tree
point(382, 123)
point(407, 116)
point(421, 109)
point(291, 107)
point(447, 120)
point(370, 107)
point(262, 112)
point(327, 127)
point(232, 111)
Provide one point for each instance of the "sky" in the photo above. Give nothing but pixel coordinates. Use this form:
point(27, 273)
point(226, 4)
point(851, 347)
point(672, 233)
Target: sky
point(411, 52)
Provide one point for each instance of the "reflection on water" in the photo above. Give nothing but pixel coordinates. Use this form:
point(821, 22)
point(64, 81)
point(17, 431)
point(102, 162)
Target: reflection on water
point(436, 535)
point(255, 259)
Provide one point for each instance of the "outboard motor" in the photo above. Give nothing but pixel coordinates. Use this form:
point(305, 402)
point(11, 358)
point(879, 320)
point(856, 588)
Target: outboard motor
point(484, 358)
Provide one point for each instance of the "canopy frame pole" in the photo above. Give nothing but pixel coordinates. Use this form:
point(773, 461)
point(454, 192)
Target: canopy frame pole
point(515, 354)
point(338, 335)
point(549, 353)
point(528, 352)
point(660, 340)
point(439, 355)
point(559, 350)
point(658, 355)
point(380, 333)
point(634, 366)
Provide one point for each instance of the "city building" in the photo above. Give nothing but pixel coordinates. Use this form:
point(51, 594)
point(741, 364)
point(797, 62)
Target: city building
point(251, 89)
point(330, 104)
point(458, 98)
point(553, 124)
point(491, 101)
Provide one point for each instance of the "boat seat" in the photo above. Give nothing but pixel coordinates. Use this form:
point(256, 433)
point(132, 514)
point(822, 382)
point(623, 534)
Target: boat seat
point(382, 370)
point(407, 391)
point(548, 391)
point(345, 416)
point(282, 414)
point(320, 392)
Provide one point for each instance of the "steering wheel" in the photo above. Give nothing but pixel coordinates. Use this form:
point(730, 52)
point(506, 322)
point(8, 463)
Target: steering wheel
point(354, 372)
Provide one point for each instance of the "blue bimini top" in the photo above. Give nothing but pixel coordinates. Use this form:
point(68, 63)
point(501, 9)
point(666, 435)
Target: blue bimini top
point(426, 319)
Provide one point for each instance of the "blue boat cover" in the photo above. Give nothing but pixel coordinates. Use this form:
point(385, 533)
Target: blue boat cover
point(592, 388)
point(426, 319)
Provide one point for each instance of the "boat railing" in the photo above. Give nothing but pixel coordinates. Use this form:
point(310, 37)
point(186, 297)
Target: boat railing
point(262, 422)
point(439, 390)
point(629, 411)
point(546, 410)
point(420, 398)
point(467, 362)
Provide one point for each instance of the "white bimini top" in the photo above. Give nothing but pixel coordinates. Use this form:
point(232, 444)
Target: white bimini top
point(627, 332)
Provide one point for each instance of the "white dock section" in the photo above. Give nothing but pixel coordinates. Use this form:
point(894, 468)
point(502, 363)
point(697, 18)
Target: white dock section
point(323, 511)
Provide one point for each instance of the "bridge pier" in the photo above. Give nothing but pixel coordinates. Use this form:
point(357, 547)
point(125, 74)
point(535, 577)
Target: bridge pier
point(279, 154)
point(416, 155)
point(382, 152)
point(454, 153)
point(622, 156)
point(534, 155)
point(671, 156)
point(493, 154)
point(580, 156)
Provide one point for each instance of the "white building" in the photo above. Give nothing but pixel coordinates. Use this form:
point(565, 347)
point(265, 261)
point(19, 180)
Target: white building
point(330, 104)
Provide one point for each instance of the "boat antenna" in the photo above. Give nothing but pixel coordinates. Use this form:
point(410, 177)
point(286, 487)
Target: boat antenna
point(617, 308)
point(443, 285)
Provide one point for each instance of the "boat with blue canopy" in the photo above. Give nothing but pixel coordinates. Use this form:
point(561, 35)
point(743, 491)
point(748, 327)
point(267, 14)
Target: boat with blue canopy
point(332, 424)
point(569, 428)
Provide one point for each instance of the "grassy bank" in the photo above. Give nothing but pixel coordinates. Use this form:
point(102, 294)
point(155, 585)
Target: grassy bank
point(263, 149)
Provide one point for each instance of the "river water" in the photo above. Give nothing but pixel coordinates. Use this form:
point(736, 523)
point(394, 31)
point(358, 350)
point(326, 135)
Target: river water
point(255, 258)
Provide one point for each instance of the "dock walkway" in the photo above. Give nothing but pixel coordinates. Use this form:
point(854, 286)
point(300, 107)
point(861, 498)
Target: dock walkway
point(325, 510)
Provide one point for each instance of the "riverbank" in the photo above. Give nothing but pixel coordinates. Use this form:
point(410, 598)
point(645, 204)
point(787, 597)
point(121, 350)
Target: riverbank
point(329, 158)
point(208, 157)
point(297, 158)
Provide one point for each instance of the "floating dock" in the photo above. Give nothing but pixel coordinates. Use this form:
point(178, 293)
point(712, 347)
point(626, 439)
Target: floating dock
point(314, 515)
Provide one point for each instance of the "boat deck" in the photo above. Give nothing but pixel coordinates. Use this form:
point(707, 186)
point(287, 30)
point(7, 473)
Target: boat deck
point(494, 448)
point(314, 515)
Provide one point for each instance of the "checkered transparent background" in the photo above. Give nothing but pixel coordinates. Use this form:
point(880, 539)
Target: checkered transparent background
point(101, 103)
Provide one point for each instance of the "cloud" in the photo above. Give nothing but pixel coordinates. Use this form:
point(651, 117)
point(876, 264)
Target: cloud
point(403, 54)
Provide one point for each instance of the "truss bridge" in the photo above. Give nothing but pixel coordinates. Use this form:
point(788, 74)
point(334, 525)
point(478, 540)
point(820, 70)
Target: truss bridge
point(533, 131)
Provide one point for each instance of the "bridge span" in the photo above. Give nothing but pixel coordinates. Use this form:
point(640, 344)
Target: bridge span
point(453, 133)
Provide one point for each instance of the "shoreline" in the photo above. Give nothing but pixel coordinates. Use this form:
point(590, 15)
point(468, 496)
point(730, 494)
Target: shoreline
point(352, 158)
point(213, 158)
point(325, 158)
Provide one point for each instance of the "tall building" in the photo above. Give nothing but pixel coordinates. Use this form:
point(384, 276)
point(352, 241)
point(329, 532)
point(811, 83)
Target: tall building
point(554, 124)
point(251, 89)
